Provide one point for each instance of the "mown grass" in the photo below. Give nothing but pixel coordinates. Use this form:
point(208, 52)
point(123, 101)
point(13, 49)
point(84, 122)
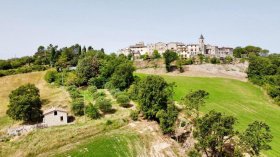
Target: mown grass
point(243, 100)
point(119, 144)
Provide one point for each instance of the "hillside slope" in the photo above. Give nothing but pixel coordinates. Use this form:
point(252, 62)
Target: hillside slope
point(51, 96)
point(243, 100)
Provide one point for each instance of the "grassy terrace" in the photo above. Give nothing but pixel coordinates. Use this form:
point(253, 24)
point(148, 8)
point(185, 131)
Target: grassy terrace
point(241, 99)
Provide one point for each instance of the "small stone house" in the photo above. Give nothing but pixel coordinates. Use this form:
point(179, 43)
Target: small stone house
point(55, 116)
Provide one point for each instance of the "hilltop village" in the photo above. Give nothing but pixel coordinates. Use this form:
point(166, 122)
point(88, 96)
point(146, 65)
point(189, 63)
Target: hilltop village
point(183, 50)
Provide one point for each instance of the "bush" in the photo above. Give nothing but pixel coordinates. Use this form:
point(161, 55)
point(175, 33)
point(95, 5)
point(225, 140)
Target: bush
point(274, 91)
point(99, 82)
point(78, 107)
point(167, 118)
point(50, 76)
point(134, 115)
point(103, 104)
point(75, 94)
point(109, 122)
point(92, 112)
point(133, 91)
point(92, 89)
point(214, 60)
point(123, 100)
point(116, 92)
point(228, 59)
point(98, 95)
point(71, 79)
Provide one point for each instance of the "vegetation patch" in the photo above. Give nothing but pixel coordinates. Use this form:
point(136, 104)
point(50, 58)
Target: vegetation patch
point(239, 99)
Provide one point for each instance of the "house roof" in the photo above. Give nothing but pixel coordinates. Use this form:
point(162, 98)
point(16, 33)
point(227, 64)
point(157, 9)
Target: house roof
point(54, 109)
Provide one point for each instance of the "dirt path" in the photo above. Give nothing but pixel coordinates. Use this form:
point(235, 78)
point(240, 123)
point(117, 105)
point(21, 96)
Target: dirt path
point(157, 145)
point(237, 71)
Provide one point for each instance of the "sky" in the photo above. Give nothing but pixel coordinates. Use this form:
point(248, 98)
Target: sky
point(116, 24)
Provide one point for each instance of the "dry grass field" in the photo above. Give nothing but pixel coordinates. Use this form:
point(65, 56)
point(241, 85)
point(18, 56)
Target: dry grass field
point(50, 95)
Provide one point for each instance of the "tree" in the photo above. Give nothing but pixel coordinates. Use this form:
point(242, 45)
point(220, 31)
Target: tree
point(238, 52)
point(169, 57)
point(123, 100)
point(194, 100)
point(84, 49)
point(256, 137)
point(90, 48)
point(5, 65)
point(179, 64)
point(92, 111)
point(156, 54)
point(25, 104)
point(212, 131)
point(122, 77)
point(252, 50)
point(153, 95)
point(102, 50)
point(87, 68)
point(167, 118)
point(264, 52)
point(104, 104)
point(78, 107)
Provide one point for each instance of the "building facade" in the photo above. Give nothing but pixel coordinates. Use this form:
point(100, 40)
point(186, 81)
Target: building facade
point(55, 116)
point(183, 50)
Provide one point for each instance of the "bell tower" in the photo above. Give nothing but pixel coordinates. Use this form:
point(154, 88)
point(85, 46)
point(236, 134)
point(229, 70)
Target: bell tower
point(201, 44)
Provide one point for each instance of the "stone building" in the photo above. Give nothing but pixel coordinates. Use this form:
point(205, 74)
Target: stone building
point(183, 50)
point(55, 116)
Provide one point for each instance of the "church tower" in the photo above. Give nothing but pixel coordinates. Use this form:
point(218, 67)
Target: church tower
point(201, 44)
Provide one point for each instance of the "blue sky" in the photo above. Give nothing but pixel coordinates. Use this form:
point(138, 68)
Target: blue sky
point(115, 24)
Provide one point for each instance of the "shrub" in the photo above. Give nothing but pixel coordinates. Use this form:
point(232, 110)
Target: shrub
point(78, 107)
point(134, 115)
point(274, 91)
point(71, 79)
point(214, 60)
point(133, 91)
point(97, 81)
point(109, 122)
point(167, 118)
point(103, 104)
point(92, 112)
point(116, 92)
point(228, 59)
point(92, 89)
point(98, 95)
point(50, 76)
point(123, 100)
point(75, 94)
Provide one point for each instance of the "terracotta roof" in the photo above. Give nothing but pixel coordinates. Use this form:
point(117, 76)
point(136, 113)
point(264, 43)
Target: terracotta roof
point(54, 109)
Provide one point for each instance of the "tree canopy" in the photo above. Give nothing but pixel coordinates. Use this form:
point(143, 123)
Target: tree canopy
point(169, 57)
point(25, 104)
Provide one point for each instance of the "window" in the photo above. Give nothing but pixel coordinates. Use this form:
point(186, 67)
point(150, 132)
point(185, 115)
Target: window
point(61, 118)
point(55, 113)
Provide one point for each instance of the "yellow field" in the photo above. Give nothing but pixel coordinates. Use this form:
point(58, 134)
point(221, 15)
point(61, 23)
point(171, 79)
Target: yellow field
point(51, 96)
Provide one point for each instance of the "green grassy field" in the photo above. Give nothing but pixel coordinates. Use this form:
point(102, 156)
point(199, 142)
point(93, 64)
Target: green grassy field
point(122, 144)
point(241, 99)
